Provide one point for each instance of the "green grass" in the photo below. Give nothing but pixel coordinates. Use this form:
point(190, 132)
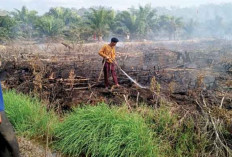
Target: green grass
point(28, 116)
point(104, 131)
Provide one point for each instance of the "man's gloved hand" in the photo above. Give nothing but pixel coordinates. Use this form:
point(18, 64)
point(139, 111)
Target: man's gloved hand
point(109, 59)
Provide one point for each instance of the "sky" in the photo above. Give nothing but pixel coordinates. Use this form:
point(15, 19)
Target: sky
point(43, 5)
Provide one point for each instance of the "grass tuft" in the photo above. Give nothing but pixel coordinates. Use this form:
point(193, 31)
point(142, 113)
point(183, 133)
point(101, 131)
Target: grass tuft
point(28, 116)
point(104, 131)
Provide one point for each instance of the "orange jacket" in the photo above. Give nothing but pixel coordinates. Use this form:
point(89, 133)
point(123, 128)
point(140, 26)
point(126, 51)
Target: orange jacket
point(107, 51)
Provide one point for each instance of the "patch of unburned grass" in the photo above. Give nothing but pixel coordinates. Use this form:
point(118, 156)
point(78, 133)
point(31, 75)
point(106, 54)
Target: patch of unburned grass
point(104, 131)
point(28, 115)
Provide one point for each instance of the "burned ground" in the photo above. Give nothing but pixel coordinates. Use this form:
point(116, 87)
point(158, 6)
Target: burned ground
point(64, 76)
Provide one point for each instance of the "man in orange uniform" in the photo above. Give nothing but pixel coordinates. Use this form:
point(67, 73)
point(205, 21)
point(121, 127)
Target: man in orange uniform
point(108, 53)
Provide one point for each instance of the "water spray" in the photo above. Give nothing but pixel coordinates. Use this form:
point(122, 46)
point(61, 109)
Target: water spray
point(130, 78)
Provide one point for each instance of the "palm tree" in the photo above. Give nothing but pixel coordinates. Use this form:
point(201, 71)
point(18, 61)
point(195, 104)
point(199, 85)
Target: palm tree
point(7, 24)
point(69, 16)
point(25, 20)
point(137, 22)
point(98, 21)
point(49, 26)
point(170, 24)
point(146, 20)
point(126, 23)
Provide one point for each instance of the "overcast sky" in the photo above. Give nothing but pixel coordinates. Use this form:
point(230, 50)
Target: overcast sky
point(44, 5)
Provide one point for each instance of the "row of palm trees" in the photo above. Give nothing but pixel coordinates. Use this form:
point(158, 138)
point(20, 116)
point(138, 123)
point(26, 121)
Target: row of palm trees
point(96, 23)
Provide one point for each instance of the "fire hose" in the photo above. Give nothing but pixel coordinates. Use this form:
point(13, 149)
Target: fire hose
point(129, 77)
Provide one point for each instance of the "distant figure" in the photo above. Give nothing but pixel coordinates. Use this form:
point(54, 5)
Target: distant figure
point(8, 142)
point(108, 54)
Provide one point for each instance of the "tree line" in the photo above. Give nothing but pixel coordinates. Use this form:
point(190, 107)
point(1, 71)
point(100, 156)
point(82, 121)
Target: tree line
point(98, 23)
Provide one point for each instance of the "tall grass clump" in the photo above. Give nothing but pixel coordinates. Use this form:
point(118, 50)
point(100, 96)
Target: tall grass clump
point(104, 131)
point(28, 116)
